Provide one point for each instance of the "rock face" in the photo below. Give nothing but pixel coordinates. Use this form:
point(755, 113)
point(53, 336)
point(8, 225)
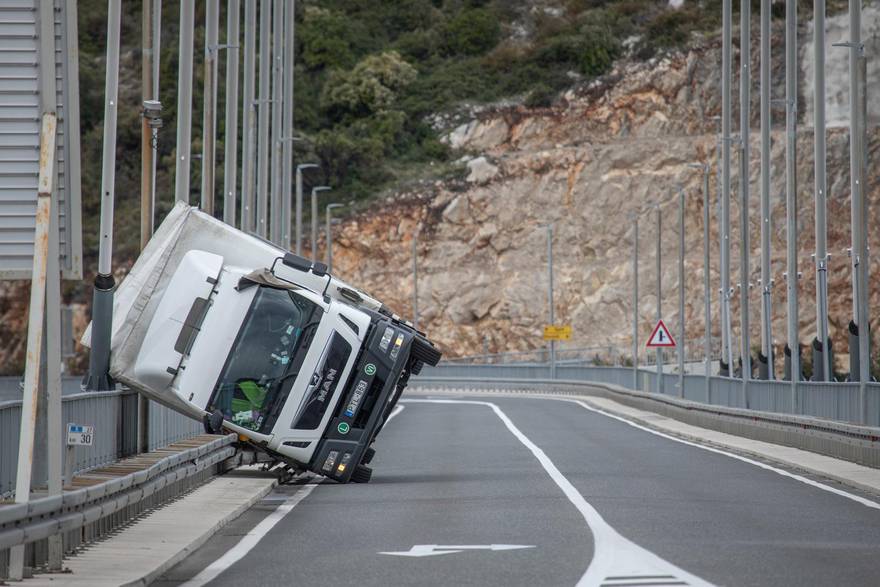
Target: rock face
point(604, 154)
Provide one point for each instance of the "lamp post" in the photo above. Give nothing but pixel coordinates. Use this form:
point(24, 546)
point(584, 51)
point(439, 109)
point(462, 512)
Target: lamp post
point(315, 190)
point(329, 234)
point(550, 298)
point(707, 301)
point(415, 271)
point(299, 204)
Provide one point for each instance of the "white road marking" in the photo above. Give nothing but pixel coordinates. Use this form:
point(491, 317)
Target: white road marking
point(783, 472)
point(397, 409)
point(613, 554)
point(420, 550)
point(250, 540)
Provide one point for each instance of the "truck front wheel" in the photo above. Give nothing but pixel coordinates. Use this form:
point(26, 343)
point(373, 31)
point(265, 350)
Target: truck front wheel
point(362, 474)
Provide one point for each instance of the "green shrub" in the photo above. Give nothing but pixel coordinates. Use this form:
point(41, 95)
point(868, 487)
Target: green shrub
point(472, 32)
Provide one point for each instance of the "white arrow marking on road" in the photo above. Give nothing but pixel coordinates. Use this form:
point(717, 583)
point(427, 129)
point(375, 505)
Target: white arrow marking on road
point(434, 549)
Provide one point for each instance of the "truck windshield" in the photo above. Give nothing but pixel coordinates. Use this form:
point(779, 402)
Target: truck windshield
point(265, 358)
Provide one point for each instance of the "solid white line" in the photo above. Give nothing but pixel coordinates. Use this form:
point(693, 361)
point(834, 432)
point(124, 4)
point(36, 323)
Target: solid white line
point(397, 409)
point(783, 472)
point(250, 540)
point(613, 554)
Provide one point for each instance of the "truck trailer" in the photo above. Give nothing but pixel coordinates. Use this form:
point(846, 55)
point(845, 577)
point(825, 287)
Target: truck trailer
point(233, 330)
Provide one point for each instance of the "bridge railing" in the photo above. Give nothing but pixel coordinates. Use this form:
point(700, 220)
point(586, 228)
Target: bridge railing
point(114, 416)
point(833, 401)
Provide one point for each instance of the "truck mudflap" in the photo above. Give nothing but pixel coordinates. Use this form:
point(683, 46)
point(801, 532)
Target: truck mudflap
point(377, 380)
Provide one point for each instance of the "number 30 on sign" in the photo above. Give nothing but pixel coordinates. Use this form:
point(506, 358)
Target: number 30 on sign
point(80, 435)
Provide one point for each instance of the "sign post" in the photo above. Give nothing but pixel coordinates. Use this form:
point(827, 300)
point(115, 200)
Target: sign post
point(660, 338)
point(77, 435)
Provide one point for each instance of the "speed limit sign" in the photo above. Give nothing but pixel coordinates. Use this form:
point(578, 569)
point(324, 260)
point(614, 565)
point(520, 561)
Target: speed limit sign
point(80, 435)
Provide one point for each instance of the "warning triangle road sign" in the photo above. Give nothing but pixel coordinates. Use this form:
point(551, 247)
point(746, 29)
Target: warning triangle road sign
point(660, 337)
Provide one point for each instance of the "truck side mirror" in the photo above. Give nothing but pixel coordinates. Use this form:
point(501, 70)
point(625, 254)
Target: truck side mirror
point(296, 262)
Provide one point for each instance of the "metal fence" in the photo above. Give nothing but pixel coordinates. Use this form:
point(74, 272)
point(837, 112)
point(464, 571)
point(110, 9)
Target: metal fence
point(833, 401)
point(114, 416)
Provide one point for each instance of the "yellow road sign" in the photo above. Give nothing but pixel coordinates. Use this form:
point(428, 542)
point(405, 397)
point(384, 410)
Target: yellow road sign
point(557, 332)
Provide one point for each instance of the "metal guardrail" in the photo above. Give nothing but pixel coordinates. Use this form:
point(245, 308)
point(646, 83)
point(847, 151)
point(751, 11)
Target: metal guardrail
point(832, 401)
point(114, 416)
point(84, 514)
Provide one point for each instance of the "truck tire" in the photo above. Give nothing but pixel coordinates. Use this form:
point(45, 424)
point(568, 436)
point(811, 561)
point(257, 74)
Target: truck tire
point(368, 456)
point(424, 351)
point(362, 474)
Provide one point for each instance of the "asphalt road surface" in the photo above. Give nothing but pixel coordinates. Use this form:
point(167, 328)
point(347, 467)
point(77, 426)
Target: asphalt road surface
point(565, 495)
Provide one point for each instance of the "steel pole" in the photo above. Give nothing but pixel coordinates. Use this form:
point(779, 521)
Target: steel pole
point(766, 281)
point(230, 142)
point(287, 155)
point(659, 297)
point(184, 102)
point(681, 329)
point(98, 378)
point(822, 371)
point(146, 132)
point(249, 123)
point(148, 169)
point(277, 129)
point(299, 210)
point(157, 53)
point(745, 84)
point(415, 272)
point(726, 344)
point(315, 191)
point(329, 236)
point(707, 292)
point(550, 298)
point(263, 185)
point(635, 340)
point(862, 252)
point(791, 282)
point(209, 115)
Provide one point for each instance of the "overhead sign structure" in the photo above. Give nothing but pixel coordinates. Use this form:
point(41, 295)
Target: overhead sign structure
point(420, 550)
point(660, 337)
point(78, 435)
point(552, 332)
point(22, 82)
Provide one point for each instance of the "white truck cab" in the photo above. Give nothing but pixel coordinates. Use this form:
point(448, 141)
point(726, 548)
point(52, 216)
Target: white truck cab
point(298, 363)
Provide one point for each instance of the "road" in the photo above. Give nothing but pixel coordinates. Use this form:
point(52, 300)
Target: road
point(583, 496)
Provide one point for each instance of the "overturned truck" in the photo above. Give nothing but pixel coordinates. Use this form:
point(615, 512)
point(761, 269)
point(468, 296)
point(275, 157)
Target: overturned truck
point(231, 329)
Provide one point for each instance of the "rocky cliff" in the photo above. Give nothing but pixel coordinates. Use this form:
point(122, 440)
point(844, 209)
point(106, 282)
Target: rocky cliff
point(602, 155)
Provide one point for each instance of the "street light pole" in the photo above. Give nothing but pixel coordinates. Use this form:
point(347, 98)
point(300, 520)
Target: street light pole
point(745, 85)
point(726, 343)
point(184, 102)
point(315, 190)
point(791, 283)
point(299, 204)
point(230, 147)
point(550, 298)
point(265, 98)
point(635, 341)
point(681, 292)
point(330, 233)
point(249, 121)
point(707, 301)
point(822, 369)
point(415, 271)
point(766, 367)
point(209, 114)
point(659, 297)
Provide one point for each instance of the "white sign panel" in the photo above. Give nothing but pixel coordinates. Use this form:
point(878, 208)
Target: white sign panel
point(20, 113)
point(78, 435)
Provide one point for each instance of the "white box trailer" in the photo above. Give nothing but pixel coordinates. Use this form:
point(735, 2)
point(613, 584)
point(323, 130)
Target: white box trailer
point(231, 329)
